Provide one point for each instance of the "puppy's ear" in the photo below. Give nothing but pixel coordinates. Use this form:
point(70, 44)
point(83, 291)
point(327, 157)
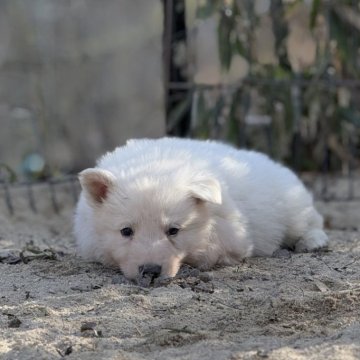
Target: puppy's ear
point(96, 184)
point(207, 189)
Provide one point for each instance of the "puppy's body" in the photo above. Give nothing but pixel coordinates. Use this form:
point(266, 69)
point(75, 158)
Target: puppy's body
point(226, 204)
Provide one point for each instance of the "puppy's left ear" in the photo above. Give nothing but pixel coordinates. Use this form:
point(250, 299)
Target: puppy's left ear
point(206, 189)
point(96, 184)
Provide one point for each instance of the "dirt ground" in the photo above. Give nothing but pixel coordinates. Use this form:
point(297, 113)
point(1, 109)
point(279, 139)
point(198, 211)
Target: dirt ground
point(292, 306)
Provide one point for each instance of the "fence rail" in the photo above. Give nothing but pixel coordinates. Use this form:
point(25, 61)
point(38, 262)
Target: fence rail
point(254, 81)
point(49, 188)
point(329, 187)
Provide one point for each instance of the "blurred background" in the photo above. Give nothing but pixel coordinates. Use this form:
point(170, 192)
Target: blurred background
point(79, 77)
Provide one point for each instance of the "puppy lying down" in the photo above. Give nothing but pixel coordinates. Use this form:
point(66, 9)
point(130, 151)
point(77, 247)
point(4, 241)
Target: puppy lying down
point(151, 205)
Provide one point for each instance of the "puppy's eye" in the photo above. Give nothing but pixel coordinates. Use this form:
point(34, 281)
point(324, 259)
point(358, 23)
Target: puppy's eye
point(172, 231)
point(127, 232)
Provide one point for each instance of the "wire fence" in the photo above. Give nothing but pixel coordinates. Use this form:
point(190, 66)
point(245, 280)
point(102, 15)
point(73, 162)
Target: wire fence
point(34, 192)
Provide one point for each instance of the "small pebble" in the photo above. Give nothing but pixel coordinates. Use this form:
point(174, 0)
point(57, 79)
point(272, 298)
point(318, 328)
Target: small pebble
point(14, 322)
point(206, 277)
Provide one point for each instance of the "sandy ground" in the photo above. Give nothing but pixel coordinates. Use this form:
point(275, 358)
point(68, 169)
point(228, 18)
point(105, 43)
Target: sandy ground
point(292, 306)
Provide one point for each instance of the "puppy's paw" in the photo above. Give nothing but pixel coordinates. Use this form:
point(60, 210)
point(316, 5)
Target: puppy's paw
point(314, 239)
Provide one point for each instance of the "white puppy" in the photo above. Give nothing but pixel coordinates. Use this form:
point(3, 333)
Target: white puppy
point(151, 205)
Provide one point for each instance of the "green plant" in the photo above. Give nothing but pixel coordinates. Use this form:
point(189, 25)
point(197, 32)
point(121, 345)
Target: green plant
point(309, 119)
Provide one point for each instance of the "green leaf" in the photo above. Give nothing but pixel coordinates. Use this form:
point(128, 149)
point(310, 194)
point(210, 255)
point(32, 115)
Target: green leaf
point(339, 32)
point(239, 48)
point(349, 114)
point(341, 29)
point(314, 12)
point(233, 121)
point(225, 48)
point(279, 73)
point(208, 9)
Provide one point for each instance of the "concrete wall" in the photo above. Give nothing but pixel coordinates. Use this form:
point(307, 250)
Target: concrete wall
point(78, 77)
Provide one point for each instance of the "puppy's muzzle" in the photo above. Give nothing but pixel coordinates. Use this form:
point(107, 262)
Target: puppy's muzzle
point(150, 270)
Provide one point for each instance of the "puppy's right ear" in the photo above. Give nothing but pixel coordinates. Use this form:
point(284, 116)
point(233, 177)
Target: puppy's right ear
point(96, 184)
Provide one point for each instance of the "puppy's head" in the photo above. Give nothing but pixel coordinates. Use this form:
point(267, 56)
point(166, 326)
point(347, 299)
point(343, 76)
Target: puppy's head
point(148, 224)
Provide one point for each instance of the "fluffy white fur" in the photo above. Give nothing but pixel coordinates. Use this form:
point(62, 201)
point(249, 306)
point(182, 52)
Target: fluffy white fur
point(228, 204)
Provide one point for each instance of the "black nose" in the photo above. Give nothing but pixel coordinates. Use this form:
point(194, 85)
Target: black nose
point(152, 270)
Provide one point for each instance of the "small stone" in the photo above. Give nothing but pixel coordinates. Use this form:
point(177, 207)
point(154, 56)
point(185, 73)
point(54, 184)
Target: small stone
point(282, 254)
point(262, 353)
point(206, 277)
point(88, 328)
point(89, 325)
point(14, 322)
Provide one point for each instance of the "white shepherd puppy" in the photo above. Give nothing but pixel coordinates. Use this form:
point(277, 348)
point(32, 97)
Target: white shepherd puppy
point(151, 205)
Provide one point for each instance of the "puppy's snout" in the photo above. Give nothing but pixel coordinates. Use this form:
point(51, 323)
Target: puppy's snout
point(152, 270)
